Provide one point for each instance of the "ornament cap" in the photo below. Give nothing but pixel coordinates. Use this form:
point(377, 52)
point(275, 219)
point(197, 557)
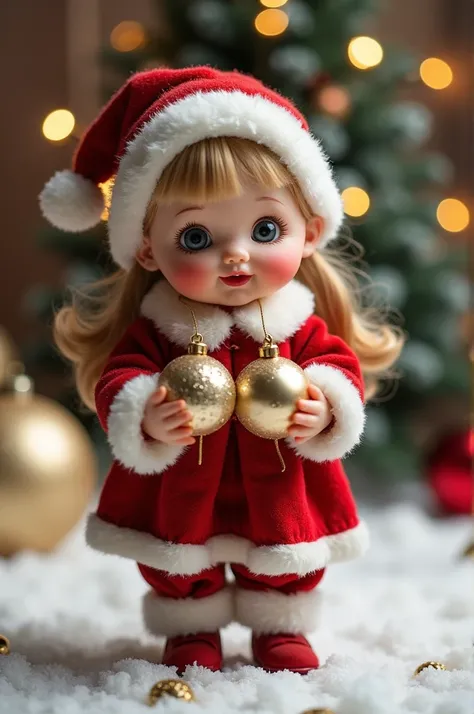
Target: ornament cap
point(197, 346)
point(269, 349)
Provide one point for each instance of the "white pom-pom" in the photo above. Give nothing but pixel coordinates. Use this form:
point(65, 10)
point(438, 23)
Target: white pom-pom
point(71, 202)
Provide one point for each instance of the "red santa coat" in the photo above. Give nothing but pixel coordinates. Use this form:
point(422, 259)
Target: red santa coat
point(160, 508)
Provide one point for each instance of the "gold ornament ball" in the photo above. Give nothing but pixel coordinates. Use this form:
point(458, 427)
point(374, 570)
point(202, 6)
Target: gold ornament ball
point(468, 551)
point(47, 472)
point(267, 392)
point(425, 665)
point(7, 355)
point(170, 688)
point(4, 645)
point(206, 386)
point(318, 711)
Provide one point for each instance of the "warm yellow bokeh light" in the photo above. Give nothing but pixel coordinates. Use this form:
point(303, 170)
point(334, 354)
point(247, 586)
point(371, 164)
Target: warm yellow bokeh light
point(356, 201)
point(436, 73)
point(128, 36)
point(107, 188)
point(271, 22)
point(365, 52)
point(273, 3)
point(58, 125)
point(453, 215)
point(335, 100)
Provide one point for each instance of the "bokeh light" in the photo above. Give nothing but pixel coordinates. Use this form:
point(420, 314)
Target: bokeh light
point(273, 3)
point(365, 52)
point(107, 188)
point(335, 100)
point(453, 215)
point(271, 22)
point(356, 201)
point(436, 73)
point(128, 36)
point(58, 125)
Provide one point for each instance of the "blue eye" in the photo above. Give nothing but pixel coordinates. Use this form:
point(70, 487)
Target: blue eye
point(265, 231)
point(194, 239)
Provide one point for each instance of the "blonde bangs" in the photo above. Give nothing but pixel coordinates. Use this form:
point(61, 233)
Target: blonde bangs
point(219, 168)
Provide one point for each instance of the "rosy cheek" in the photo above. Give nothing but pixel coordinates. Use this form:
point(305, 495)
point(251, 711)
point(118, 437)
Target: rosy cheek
point(190, 276)
point(282, 266)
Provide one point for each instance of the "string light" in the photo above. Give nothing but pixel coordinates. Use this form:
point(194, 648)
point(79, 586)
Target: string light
point(152, 63)
point(335, 100)
point(273, 3)
point(58, 125)
point(271, 22)
point(453, 215)
point(365, 52)
point(356, 201)
point(436, 73)
point(128, 36)
point(107, 188)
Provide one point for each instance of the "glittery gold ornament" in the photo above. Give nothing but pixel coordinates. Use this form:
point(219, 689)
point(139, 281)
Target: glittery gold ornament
point(425, 665)
point(318, 711)
point(170, 688)
point(4, 645)
point(204, 383)
point(47, 470)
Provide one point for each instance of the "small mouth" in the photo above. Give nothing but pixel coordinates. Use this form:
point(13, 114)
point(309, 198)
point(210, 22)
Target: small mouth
point(236, 280)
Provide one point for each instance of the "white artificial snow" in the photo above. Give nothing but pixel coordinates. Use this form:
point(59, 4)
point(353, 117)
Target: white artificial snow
point(78, 643)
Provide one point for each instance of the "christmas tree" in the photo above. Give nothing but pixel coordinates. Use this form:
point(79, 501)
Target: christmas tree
point(316, 52)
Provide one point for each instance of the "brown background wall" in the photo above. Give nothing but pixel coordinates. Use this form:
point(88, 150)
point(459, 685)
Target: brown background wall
point(44, 72)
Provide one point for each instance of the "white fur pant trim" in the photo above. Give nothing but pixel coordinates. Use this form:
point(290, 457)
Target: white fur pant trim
point(273, 612)
point(184, 616)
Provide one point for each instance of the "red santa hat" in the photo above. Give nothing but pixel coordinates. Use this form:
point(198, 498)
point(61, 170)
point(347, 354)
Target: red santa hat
point(150, 120)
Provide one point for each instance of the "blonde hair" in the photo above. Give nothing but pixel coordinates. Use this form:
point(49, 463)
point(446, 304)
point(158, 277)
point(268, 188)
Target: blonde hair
point(87, 331)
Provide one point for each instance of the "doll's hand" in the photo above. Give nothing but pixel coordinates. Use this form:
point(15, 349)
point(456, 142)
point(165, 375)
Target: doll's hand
point(312, 417)
point(166, 421)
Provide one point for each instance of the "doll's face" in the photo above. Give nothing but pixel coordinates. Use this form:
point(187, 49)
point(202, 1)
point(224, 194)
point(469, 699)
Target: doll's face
point(230, 252)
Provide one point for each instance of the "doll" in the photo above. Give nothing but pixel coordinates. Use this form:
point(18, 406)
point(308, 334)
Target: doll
point(223, 198)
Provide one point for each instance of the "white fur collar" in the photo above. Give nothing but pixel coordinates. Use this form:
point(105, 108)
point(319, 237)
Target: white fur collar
point(284, 312)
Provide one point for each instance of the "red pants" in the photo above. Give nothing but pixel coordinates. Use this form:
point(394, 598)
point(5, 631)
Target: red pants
point(182, 604)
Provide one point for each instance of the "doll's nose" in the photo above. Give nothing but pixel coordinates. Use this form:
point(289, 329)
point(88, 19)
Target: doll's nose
point(235, 254)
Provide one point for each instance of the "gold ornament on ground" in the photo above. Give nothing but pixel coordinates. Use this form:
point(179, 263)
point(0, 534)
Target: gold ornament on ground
point(47, 470)
point(170, 688)
point(426, 665)
point(4, 645)
point(468, 551)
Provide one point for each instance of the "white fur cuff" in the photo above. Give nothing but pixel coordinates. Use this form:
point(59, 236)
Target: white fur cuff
point(124, 429)
point(171, 617)
point(348, 411)
point(273, 612)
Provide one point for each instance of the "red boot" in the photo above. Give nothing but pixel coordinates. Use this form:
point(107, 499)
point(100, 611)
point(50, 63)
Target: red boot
point(284, 651)
point(203, 649)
